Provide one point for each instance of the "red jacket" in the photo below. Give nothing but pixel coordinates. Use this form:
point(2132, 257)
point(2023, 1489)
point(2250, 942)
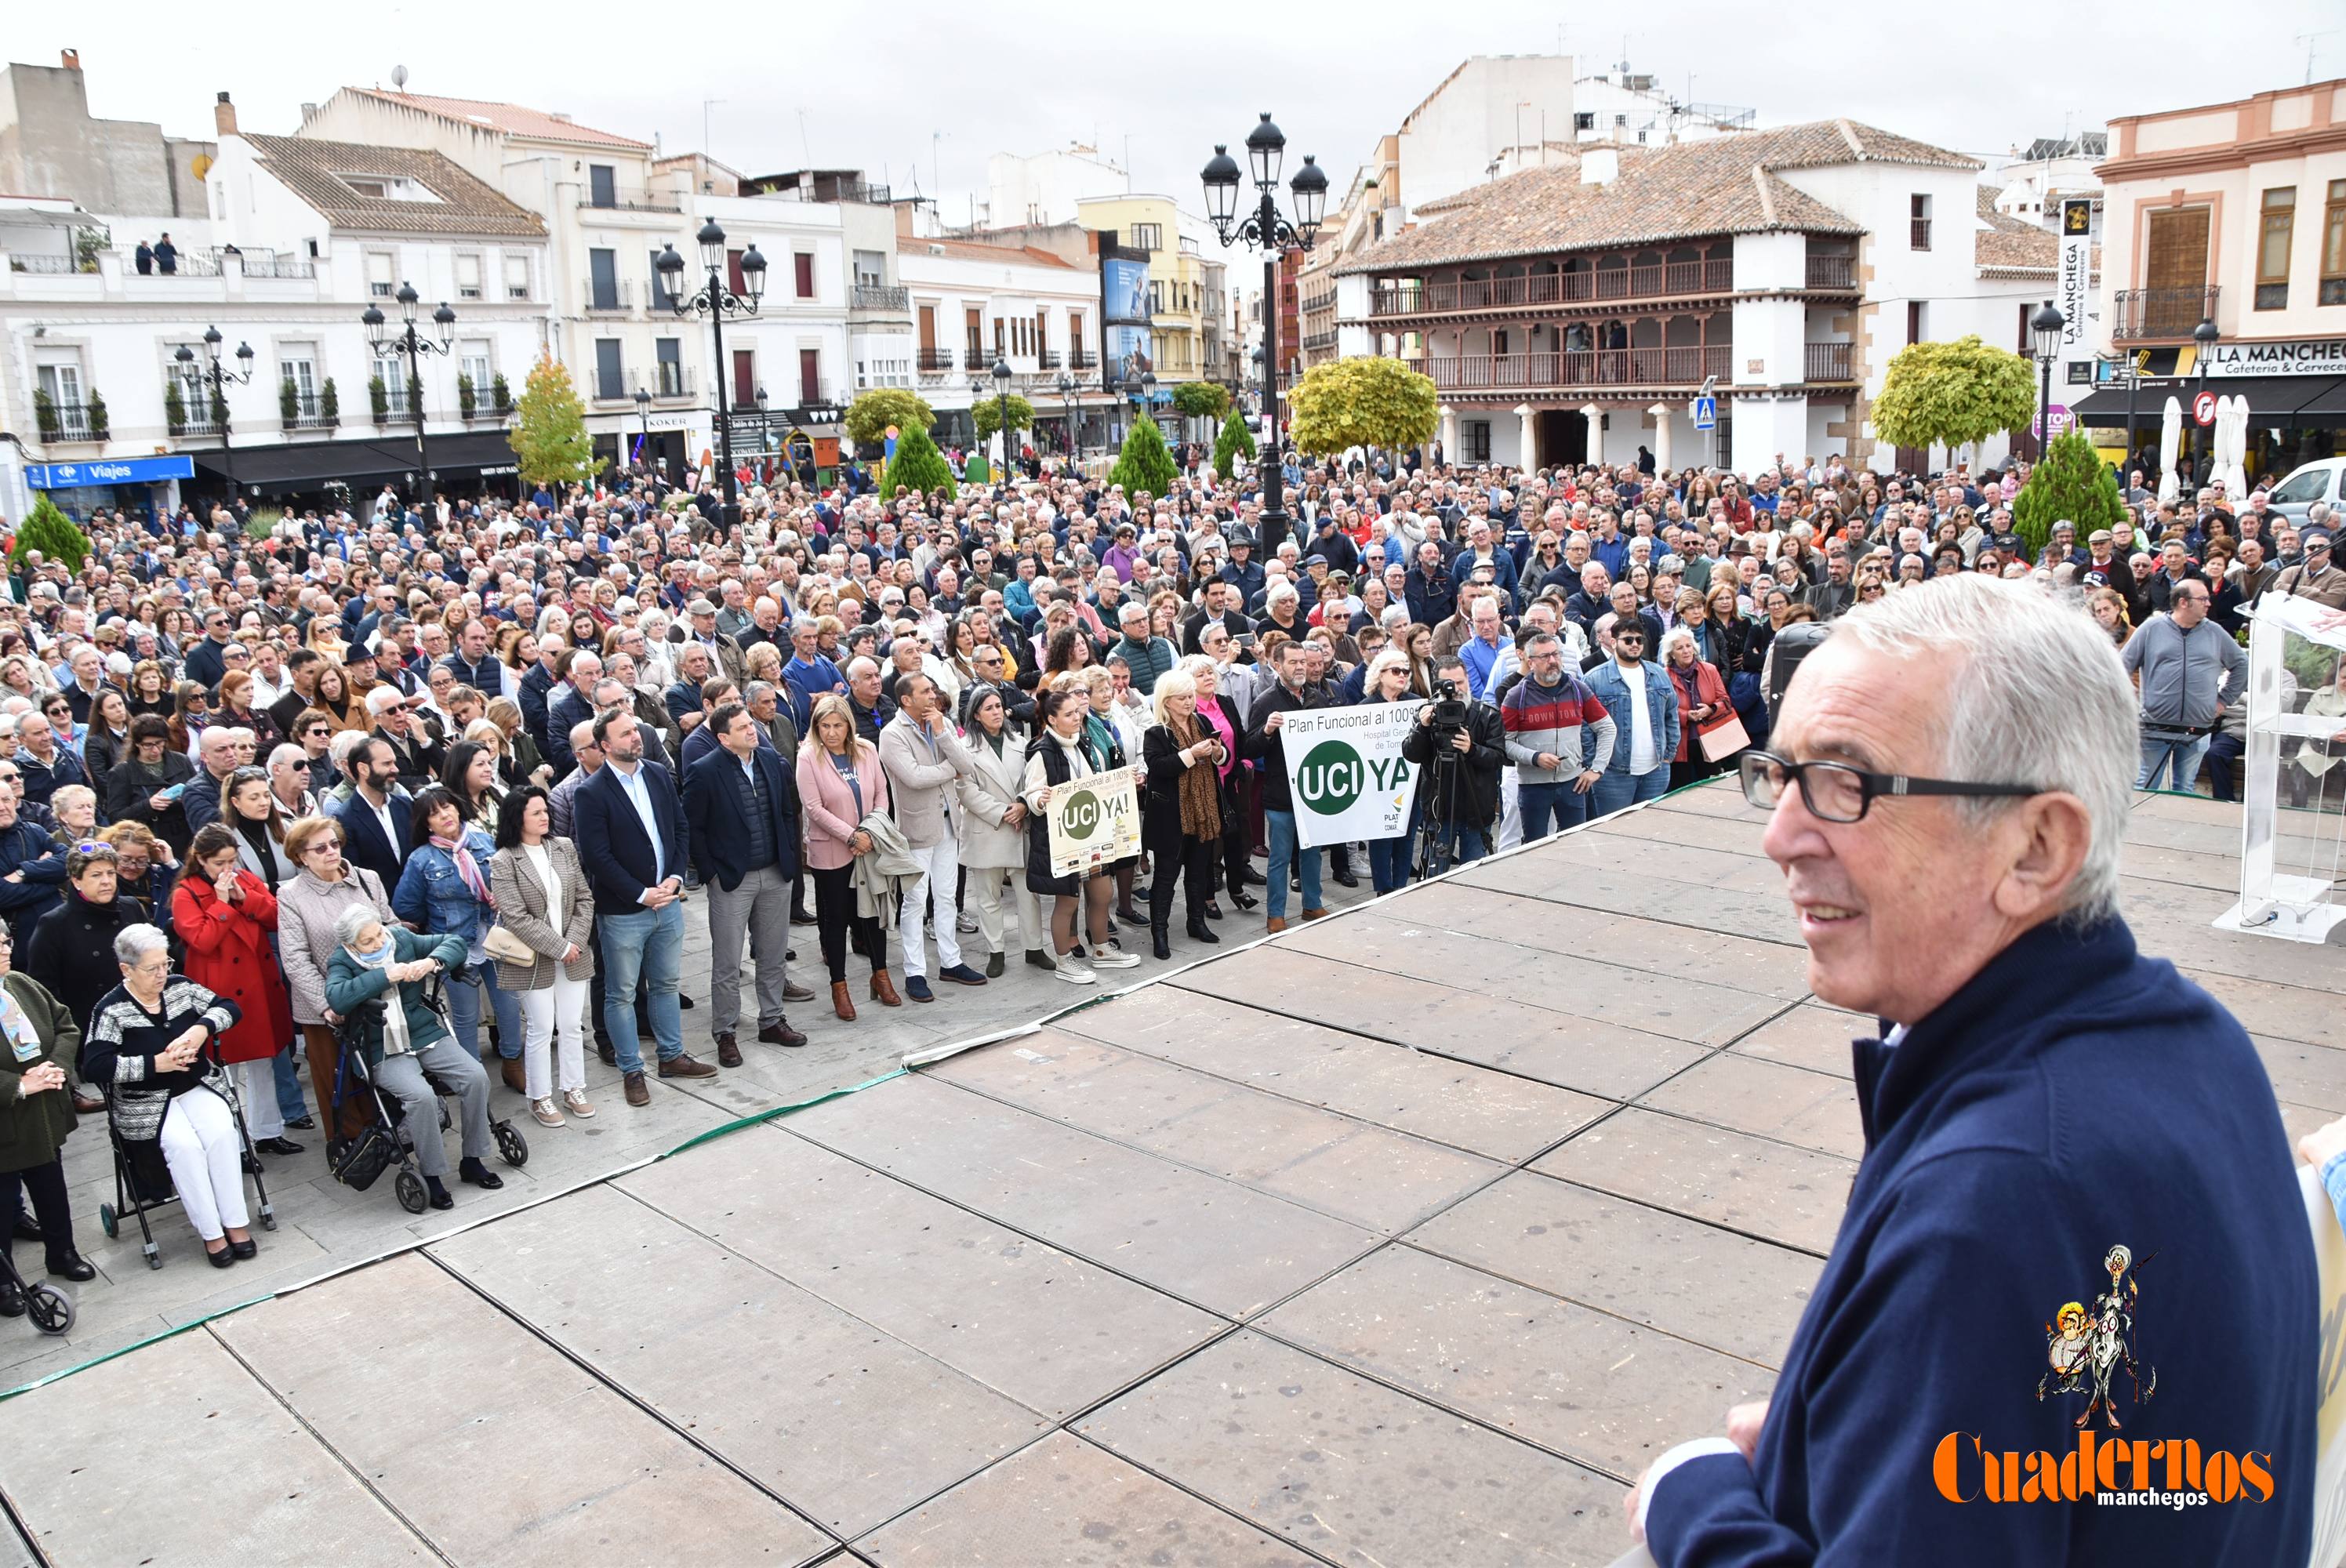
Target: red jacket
point(229, 954)
point(1706, 687)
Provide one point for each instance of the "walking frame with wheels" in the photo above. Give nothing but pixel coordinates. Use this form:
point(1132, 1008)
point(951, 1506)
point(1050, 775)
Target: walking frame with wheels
point(50, 1308)
point(360, 1161)
point(136, 1198)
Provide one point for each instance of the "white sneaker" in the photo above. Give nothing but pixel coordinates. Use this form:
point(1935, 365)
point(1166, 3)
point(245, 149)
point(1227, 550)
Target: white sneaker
point(1114, 958)
point(1072, 969)
point(966, 925)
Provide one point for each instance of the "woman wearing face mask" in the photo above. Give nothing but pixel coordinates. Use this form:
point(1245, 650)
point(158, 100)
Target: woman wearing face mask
point(389, 964)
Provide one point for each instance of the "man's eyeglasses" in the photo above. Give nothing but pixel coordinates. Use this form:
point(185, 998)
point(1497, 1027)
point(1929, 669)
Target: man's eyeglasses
point(1839, 793)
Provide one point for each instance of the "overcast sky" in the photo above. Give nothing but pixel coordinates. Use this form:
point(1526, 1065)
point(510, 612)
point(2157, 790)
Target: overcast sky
point(823, 83)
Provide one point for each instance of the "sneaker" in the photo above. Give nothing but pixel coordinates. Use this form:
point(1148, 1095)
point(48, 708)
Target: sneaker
point(576, 1101)
point(1072, 969)
point(966, 925)
point(1114, 958)
point(547, 1116)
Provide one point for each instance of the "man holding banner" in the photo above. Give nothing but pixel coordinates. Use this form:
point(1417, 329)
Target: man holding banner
point(1265, 743)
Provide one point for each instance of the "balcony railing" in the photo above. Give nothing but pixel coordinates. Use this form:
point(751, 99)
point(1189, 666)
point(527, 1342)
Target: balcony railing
point(879, 297)
point(194, 427)
point(1046, 359)
point(313, 420)
point(1918, 234)
point(1082, 360)
point(1581, 368)
point(1654, 280)
point(618, 294)
point(933, 361)
point(2163, 312)
point(1827, 363)
point(1832, 272)
point(1319, 341)
point(53, 265)
point(72, 423)
point(622, 199)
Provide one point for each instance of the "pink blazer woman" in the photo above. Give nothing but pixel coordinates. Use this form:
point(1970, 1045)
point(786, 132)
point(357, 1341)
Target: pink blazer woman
point(830, 805)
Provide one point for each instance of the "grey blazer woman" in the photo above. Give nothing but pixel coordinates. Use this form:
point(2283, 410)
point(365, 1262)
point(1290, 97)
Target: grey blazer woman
point(522, 910)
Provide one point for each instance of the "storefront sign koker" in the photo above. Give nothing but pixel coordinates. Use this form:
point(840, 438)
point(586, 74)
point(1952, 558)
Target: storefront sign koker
point(2298, 357)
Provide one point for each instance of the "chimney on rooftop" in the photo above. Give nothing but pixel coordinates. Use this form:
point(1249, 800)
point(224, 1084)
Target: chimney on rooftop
point(1598, 165)
point(69, 58)
point(309, 113)
point(224, 116)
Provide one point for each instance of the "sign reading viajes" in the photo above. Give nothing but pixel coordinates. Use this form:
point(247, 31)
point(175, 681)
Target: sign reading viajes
point(1094, 821)
point(1346, 774)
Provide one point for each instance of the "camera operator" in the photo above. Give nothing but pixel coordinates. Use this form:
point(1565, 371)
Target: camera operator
point(1461, 746)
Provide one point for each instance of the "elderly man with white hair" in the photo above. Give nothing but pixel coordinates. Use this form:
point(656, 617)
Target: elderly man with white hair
point(2049, 1113)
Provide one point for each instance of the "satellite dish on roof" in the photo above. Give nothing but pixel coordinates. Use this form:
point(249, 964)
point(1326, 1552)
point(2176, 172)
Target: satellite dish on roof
point(399, 76)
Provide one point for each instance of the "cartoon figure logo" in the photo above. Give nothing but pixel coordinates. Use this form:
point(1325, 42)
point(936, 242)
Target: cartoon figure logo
point(2085, 1351)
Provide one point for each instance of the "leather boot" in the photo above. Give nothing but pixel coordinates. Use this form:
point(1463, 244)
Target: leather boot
point(1200, 932)
point(1158, 944)
point(883, 989)
point(842, 1001)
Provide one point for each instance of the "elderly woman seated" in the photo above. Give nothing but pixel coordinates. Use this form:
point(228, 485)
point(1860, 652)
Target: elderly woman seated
point(405, 1039)
point(170, 1102)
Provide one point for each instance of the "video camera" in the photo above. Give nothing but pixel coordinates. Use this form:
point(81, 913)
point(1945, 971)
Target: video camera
point(1449, 706)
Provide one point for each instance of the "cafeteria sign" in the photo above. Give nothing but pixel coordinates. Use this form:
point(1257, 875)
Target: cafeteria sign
point(2301, 357)
point(1094, 821)
point(1345, 772)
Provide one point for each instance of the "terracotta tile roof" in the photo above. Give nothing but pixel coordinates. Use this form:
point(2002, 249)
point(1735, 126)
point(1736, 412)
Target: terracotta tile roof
point(978, 250)
point(313, 170)
point(512, 119)
point(1723, 185)
point(2011, 247)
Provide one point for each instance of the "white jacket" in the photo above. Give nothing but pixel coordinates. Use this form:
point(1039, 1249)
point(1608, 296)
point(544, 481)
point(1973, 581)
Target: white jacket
point(991, 788)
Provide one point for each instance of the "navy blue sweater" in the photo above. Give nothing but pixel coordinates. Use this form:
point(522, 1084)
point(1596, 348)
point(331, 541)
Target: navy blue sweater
point(2074, 1095)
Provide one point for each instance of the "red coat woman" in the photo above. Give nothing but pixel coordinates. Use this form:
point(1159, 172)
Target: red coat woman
point(230, 954)
point(1703, 704)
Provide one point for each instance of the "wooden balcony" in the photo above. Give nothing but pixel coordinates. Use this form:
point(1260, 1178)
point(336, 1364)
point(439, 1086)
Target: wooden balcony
point(1602, 285)
point(1572, 368)
point(1835, 273)
point(1827, 363)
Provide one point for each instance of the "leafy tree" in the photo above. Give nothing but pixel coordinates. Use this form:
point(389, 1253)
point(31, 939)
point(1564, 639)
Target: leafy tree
point(1144, 464)
point(918, 467)
point(52, 534)
point(988, 415)
point(1201, 400)
point(1366, 401)
point(1952, 394)
point(1236, 438)
point(548, 436)
point(2072, 484)
point(870, 415)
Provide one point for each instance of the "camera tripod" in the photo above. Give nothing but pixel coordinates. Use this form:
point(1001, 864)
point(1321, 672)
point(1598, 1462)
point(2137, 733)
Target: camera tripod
point(1438, 784)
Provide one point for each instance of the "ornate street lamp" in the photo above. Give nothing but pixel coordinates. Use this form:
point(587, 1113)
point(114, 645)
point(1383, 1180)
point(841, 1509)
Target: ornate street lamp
point(1002, 392)
point(2045, 328)
point(2204, 338)
point(408, 341)
point(717, 301)
point(213, 378)
point(1272, 234)
point(1067, 399)
point(644, 413)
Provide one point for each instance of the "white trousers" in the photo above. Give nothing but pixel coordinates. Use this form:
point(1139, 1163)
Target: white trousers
point(207, 1161)
point(940, 875)
point(256, 1085)
point(995, 887)
point(559, 1010)
point(1511, 810)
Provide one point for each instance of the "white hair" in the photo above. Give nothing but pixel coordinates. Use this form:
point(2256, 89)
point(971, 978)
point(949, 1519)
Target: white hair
point(2036, 696)
point(133, 942)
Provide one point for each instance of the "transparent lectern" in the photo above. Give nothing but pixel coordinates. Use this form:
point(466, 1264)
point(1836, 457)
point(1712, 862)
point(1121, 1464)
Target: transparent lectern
point(2294, 822)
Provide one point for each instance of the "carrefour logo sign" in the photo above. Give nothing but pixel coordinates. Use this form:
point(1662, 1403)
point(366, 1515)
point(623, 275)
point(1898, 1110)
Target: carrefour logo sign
point(122, 471)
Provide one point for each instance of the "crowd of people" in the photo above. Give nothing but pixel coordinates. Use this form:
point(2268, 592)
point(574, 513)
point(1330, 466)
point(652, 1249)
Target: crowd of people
point(455, 771)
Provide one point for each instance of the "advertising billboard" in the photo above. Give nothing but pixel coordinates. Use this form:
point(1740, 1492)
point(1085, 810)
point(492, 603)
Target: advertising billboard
point(1128, 352)
point(1123, 291)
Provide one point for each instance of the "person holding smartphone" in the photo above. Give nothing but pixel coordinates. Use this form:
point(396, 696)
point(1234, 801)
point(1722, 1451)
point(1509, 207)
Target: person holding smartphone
point(148, 785)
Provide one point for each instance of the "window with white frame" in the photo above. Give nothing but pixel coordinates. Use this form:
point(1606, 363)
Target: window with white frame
point(517, 277)
point(468, 275)
point(379, 268)
point(472, 364)
point(299, 365)
point(391, 371)
point(61, 383)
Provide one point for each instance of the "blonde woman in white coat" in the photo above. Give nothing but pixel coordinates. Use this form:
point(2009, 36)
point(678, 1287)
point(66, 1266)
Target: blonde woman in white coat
point(993, 835)
point(543, 898)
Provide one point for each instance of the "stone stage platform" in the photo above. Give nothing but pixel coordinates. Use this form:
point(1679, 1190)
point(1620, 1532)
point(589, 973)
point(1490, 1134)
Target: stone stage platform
point(1407, 1237)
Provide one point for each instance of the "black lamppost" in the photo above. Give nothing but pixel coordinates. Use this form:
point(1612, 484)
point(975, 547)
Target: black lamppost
point(1067, 399)
point(1266, 229)
point(644, 413)
point(2045, 328)
point(212, 378)
point(1002, 392)
point(717, 301)
point(414, 345)
point(2204, 338)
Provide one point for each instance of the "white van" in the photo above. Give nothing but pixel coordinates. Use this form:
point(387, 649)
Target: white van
point(2315, 482)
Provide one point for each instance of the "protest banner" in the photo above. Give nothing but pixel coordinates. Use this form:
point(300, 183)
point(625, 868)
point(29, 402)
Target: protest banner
point(1346, 774)
point(1094, 821)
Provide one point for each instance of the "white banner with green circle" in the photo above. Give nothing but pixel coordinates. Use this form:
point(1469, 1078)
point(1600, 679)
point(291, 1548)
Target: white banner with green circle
point(1094, 821)
point(1345, 771)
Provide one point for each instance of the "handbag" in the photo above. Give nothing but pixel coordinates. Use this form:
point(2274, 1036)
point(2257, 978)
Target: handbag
point(1721, 741)
point(503, 945)
point(367, 1158)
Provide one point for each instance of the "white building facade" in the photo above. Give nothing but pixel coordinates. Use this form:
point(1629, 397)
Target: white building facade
point(975, 304)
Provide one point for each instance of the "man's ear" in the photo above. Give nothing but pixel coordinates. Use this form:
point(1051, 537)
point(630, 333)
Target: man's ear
point(2047, 842)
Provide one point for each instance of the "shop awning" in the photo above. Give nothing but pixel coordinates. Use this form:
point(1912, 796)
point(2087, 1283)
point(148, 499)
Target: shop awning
point(2276, 402)
point(2325, 408)
point(306, 465)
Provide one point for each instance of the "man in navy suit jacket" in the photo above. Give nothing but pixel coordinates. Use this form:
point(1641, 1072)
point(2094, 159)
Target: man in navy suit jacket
point(742, 810)
point(365, 843)
point(629, 828)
